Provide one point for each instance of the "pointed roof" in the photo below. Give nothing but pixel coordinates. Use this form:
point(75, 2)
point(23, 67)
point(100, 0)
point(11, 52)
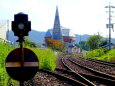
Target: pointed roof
point(57, 33)
point(57, 20)
point(49, 33)
point(57, 14)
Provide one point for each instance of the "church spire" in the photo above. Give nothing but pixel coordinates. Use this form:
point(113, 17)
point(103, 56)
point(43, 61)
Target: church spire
point(57, 33)
point(57, 14)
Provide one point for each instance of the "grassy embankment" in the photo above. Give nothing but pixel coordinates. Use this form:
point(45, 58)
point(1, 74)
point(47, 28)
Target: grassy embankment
point(5, 80)
point(102, 54)
point(47, 60)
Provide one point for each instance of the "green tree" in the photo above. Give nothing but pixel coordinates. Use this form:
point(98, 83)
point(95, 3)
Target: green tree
point(83, 45)
point(95, 41)
point(105, 42)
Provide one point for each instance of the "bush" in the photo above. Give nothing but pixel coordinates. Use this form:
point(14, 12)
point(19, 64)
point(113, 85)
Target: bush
point(111, 55)
point(95, 53)
point(102, 54)
point(46, 57)
point(104, 58)
point(55, 44)
point(111, 58)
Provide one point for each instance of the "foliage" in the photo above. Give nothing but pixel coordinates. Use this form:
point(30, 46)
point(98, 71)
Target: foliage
point(55, 44)
point(5, 49)
point(47, 58)
point(104, 42)
point(96, 53)
point(77, 45)
point(111, 55)
point(95, 41)
point(102, 54)
point(28, 42)
point(84, 45)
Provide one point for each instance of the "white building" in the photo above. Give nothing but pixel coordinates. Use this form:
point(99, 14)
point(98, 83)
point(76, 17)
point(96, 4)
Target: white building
point(3, 29)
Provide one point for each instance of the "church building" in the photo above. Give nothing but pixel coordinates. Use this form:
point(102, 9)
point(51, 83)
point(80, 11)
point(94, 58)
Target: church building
point(61, 33)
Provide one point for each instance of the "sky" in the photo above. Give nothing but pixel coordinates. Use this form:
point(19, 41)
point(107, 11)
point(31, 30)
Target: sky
point(80, 16)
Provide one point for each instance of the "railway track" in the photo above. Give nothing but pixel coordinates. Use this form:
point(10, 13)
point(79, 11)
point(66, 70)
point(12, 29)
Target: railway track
point(93, 64)
point(50, 78)
point(103, 62)
point(93, 71)
point(97, 80)
point(63, 75)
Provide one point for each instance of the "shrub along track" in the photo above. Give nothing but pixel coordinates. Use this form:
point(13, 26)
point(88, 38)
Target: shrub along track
point(90, 74)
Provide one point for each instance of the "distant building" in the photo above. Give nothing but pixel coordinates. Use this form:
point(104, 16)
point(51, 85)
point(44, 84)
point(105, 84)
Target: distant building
point(66, 38)
point(61, 33)
point(3, 30)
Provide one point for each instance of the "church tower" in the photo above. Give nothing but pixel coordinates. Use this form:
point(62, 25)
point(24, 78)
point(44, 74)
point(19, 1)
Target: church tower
point(57, 33)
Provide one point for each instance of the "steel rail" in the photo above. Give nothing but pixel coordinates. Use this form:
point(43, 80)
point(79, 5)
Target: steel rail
point(98, 73)
point(103, 62)
point(81, 78)
point(64, 78)
point(99, 79)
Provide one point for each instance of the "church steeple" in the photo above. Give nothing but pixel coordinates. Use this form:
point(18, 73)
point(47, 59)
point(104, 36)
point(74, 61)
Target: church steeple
point(57, 14)
point(57, 33)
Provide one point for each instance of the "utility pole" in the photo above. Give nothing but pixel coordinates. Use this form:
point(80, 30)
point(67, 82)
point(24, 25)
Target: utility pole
point(110, 25)
point(98, 39)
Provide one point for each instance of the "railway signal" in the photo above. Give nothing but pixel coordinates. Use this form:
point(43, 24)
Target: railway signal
point(21, 26)
point(21, 63)
point(14, 64)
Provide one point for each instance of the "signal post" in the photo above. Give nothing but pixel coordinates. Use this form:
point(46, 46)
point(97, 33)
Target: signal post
point(21, 63)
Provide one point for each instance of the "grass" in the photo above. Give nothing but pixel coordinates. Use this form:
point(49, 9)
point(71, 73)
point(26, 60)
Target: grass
point(47, 58)
point(5, 80)
point(101, 54)
point(111, 55)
